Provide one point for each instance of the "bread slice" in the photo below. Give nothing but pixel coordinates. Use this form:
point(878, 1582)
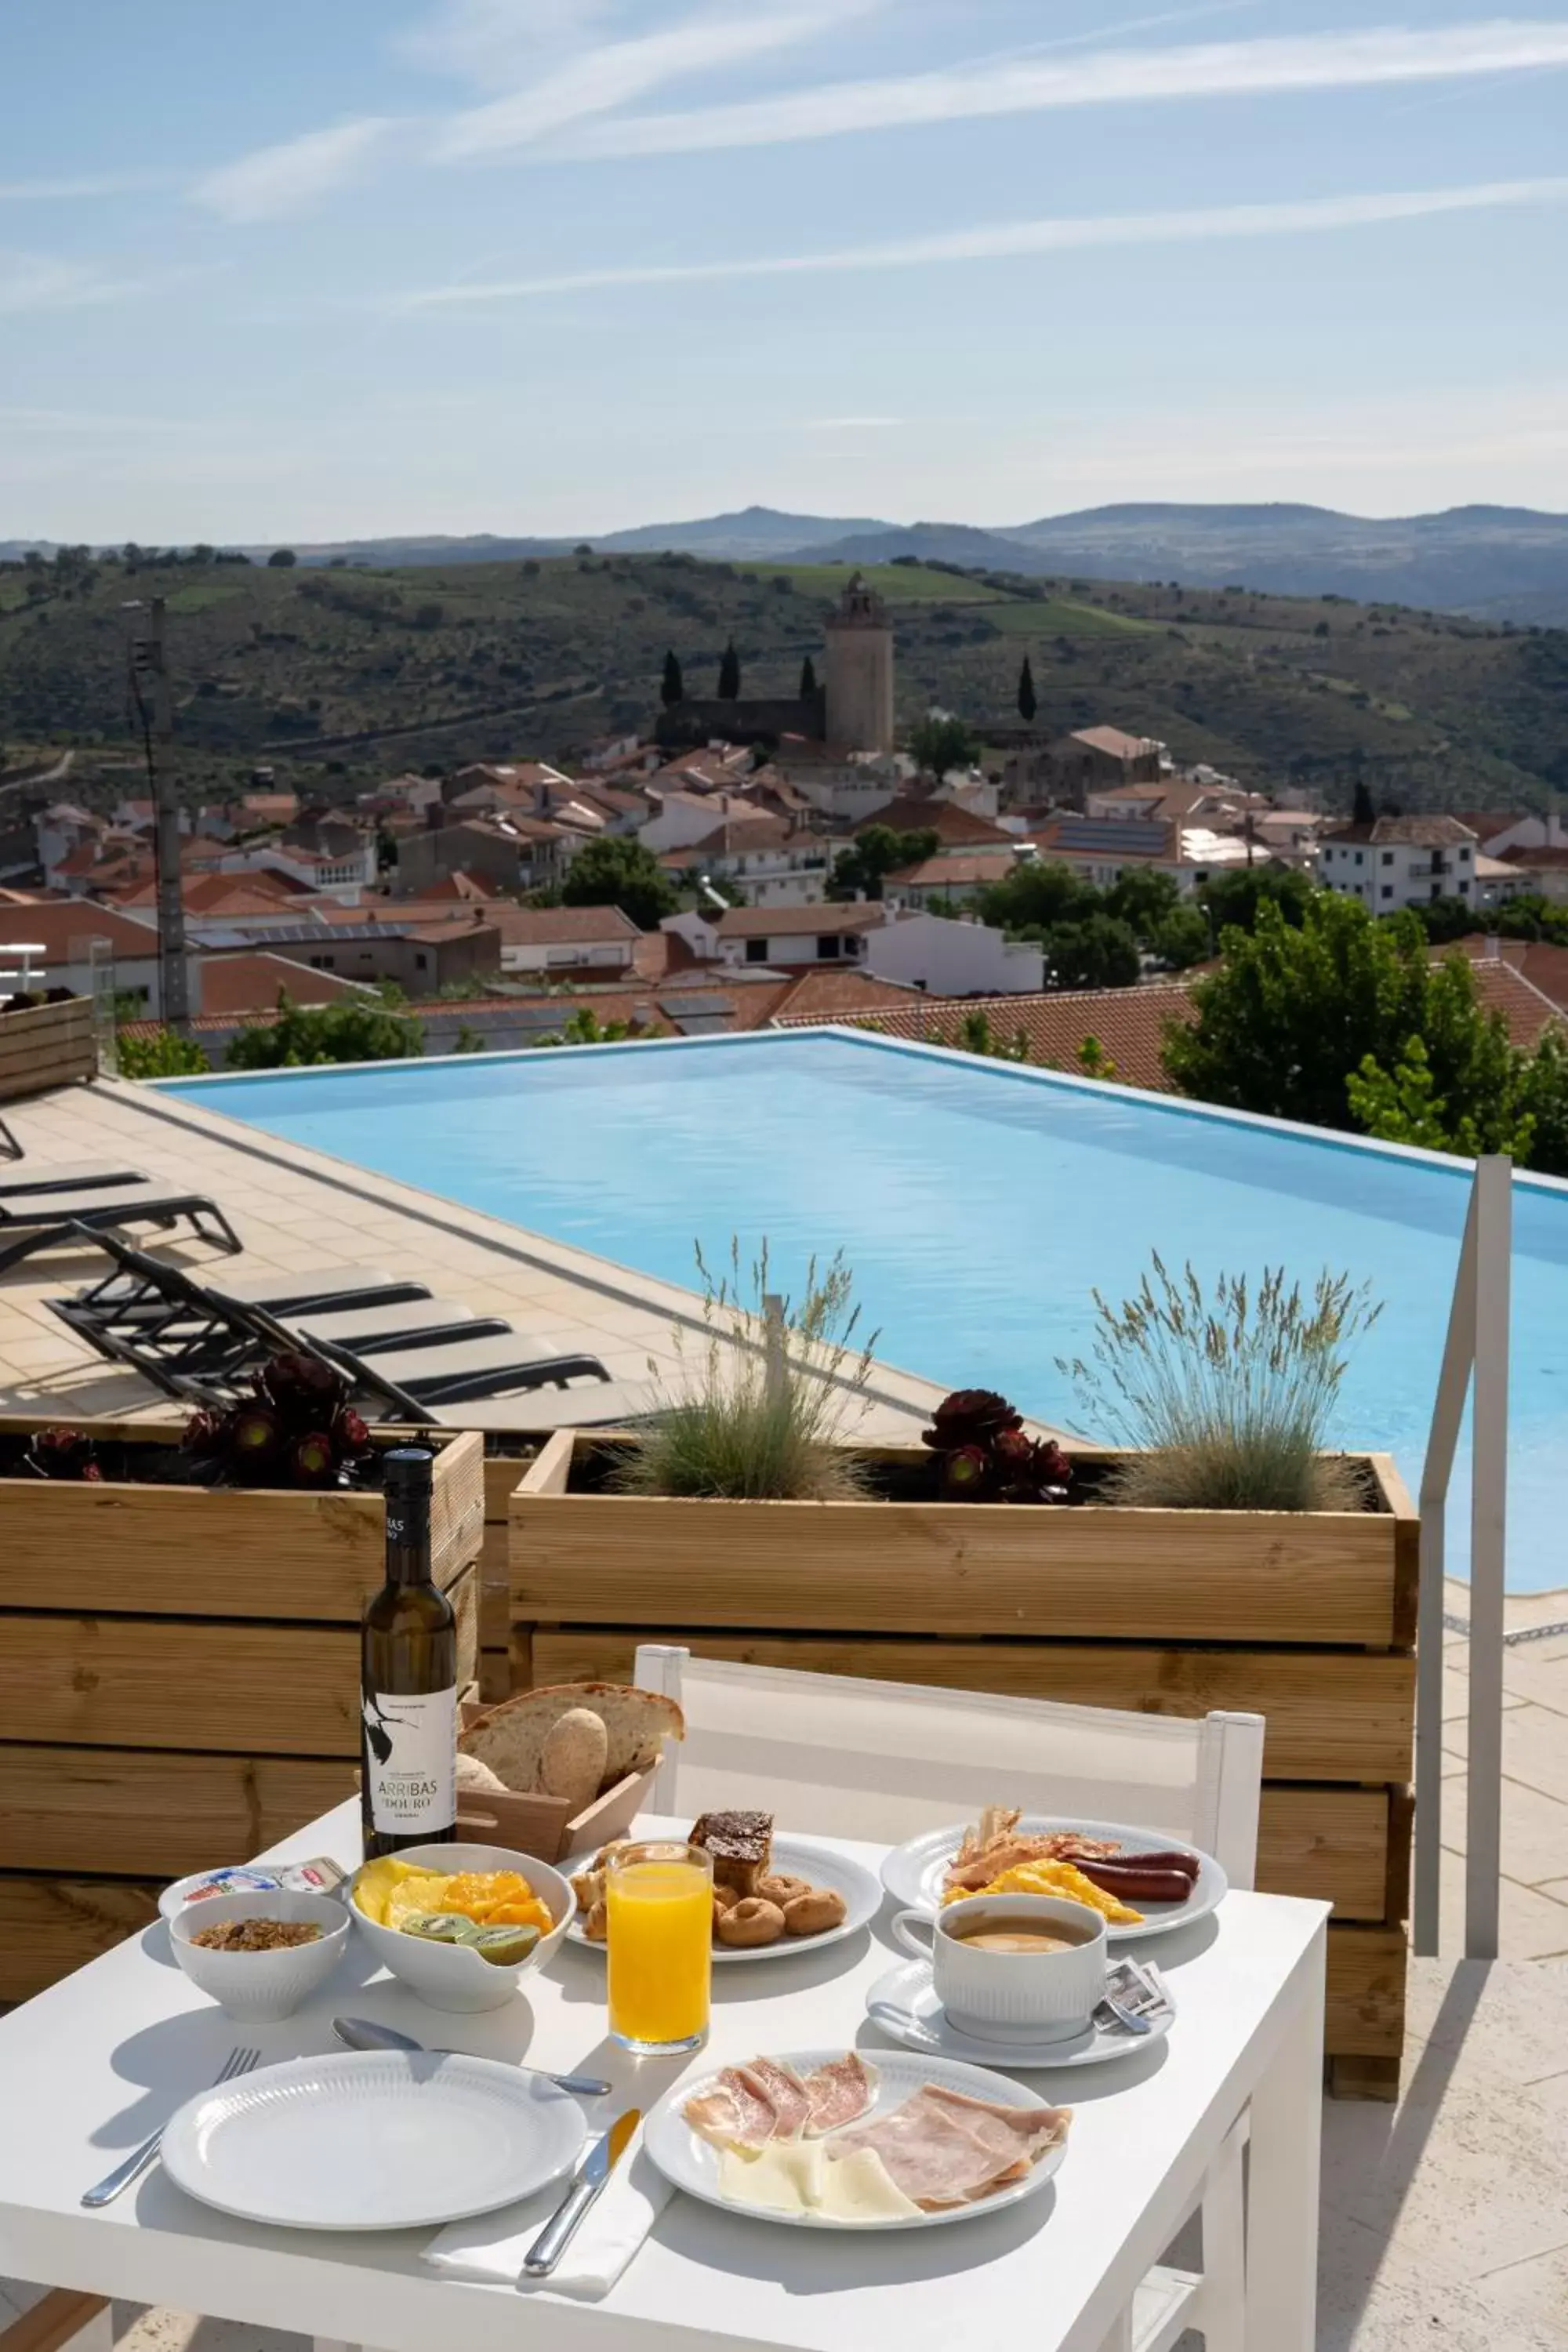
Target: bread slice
point(511, 1738)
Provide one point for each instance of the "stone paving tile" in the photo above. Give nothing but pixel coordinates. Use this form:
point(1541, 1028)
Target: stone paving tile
point(1457, 1688)
point(1534, 1831)
point(1532, 1926)
point(1534, 1748)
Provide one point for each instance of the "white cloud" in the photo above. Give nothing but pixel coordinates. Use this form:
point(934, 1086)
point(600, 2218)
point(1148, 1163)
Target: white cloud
point(607, 76)
point(501, 41)
point(36, 281)
point(1010, 239)
point(849, 424)
point(30, 192)
point(1339, 61)
point(275, 180)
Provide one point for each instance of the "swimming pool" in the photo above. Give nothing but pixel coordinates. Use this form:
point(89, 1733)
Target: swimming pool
point(978, 1205)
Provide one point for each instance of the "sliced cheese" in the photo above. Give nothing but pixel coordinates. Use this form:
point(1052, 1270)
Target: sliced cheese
point(860, 2188)
point(804, 2177)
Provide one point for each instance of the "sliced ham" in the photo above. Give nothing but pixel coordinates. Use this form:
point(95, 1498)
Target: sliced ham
point(840, 2092)
point(943, 2149)
point(734, 2114)
point(781, 2089)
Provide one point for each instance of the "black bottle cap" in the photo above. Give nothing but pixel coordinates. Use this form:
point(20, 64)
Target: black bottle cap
point(408, 1470)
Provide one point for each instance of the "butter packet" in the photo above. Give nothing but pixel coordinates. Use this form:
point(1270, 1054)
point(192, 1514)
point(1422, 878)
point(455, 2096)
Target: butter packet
point(320, 1875)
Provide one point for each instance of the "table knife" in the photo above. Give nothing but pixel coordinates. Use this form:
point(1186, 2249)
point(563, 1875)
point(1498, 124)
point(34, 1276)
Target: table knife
point(586, 2182)
point(368, 2033)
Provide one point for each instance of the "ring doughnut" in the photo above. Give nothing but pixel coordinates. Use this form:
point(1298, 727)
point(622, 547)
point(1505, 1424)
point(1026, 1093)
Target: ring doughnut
point(751, 1922)
point(781, 1890)
point(725, 1898)
point(813, 1913)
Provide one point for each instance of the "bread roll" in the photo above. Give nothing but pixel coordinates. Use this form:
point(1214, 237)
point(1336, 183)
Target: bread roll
point(571, 1761)
point(472, 1774)
point(511, 1737)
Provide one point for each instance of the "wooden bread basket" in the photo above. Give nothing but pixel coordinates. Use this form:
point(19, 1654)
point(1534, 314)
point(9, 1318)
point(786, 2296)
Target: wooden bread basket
point(532, 1823)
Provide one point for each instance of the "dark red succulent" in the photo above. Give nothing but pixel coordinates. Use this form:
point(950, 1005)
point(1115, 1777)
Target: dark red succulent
point(253, 1435)
point(350, 1433)
point(297, 1429)
point(63, 1454)
point(970, 1417)
point(313, 1460)
point(305, 1391)
point(988, 1457)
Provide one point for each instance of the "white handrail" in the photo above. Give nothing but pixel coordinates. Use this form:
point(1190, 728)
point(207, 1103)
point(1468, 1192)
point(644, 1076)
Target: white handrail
point(1476, 1345)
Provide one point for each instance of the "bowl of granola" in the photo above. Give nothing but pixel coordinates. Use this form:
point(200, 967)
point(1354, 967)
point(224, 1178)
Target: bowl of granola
point(258, 1955)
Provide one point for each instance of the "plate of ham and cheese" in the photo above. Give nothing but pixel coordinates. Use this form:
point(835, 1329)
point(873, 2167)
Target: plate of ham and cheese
point(1143, 1883)
point(828, 2139)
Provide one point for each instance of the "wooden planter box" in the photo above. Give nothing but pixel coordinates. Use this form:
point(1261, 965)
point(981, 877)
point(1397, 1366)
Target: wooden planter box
point(48, 1047)
point(179, 1681)
point(1307, 1619)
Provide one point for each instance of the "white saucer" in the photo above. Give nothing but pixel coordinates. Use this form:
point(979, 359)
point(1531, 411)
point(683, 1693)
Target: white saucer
point(904, 2004)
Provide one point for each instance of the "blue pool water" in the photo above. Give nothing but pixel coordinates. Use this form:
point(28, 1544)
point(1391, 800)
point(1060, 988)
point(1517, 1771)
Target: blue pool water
point(977, 1205)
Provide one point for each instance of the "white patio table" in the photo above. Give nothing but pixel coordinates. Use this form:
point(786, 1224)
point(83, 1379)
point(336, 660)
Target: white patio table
point(92, 2065)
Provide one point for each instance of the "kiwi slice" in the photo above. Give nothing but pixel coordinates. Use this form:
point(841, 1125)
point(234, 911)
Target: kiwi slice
point(438, 1927)
point(504, 1947)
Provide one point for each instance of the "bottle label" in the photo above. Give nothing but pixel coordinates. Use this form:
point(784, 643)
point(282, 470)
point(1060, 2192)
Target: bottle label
point(410, 1761)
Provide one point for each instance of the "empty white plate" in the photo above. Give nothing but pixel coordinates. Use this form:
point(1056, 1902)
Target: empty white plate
point(372, 2141)
point(904, 2004)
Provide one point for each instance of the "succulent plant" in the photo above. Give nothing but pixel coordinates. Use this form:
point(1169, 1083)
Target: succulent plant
point(296, 1429)
point(64, 1453)
point(988, 1457)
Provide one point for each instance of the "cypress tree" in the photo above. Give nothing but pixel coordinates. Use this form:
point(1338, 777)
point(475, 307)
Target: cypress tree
point(1363, 812)
point(672, 689)
point(807, 680)
point(730, 674)
point(1027, 705)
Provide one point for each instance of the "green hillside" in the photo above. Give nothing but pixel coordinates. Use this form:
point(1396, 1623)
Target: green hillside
point(316, 670)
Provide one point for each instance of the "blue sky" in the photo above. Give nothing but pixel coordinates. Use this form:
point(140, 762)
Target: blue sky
point(359, 266)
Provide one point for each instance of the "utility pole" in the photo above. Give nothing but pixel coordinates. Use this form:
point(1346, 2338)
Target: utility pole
point(148, 678)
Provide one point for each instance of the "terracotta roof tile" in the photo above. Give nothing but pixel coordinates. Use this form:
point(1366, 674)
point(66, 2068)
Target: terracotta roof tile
point(1129, 1023)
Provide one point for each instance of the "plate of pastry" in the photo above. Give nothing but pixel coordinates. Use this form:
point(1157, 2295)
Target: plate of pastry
point(773, 1897)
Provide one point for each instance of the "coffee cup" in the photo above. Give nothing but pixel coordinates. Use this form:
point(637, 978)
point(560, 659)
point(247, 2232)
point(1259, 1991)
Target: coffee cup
point(1006, 1967)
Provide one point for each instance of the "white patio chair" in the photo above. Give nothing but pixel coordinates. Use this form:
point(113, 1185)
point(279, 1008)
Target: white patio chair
point(887, 1761)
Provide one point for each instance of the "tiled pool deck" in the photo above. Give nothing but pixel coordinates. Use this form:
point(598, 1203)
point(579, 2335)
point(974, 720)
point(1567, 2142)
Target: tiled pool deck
point(1445, 2219)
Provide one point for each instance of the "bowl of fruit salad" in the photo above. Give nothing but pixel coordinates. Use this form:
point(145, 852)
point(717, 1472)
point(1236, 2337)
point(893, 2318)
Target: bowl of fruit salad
point(461, 1925)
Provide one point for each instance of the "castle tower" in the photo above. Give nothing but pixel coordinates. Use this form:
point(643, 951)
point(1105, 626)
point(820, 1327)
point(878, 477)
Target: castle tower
point(860, 672)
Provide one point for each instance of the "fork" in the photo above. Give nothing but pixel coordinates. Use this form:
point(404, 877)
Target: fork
point(104, 2192)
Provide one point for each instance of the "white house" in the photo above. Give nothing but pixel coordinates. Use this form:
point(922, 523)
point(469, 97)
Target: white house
point(764, 861)
point(677, 819)
point(564, 939)
point(1399, 861)
point(854, 787)
point(946, 957)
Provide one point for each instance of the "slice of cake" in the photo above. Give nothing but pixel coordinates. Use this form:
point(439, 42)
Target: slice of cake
point(742, 1845)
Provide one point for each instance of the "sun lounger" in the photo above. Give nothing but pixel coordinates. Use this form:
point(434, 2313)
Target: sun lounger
point(334, 1286)
point(70, 1176)
point(203, 1344)
point(53, 1219)
point(450, 1376)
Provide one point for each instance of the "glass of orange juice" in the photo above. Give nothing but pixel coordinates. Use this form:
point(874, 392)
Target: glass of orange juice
point(659, 1900)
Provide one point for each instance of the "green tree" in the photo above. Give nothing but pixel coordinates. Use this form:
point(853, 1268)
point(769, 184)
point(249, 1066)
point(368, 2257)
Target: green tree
point(730, 674)
point(975, 1035)
point(1098, 952)
point(1543, 1095)
point(874, 854)
point(1362, 809)
point(1182, 939)
point(614, 871)
point(1294, 1015)
point(466, 1041)
point(1028, 703)
point(807, 678)
point(939, 741)
point(167, 1055)
point(1143, 898)
point(1234, 898)
point(672, 685)
point(1034, 895)
point(305, 1034)
point(1093, 1061)
point(583, 1027)
point(1402, 1104)
point(282, 559)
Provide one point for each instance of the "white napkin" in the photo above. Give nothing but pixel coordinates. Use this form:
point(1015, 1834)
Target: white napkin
point(492, 2246)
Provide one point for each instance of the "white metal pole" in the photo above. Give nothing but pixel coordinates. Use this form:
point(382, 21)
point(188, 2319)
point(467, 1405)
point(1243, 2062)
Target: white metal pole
point(1489, 1519)
point(1447, 1414)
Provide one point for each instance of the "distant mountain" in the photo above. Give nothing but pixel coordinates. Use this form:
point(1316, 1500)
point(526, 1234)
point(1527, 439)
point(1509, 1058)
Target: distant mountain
point(1496, 563)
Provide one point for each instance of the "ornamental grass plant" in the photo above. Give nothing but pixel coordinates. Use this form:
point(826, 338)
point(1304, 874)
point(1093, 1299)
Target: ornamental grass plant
point(1228, 1398)
point(760, 1412)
